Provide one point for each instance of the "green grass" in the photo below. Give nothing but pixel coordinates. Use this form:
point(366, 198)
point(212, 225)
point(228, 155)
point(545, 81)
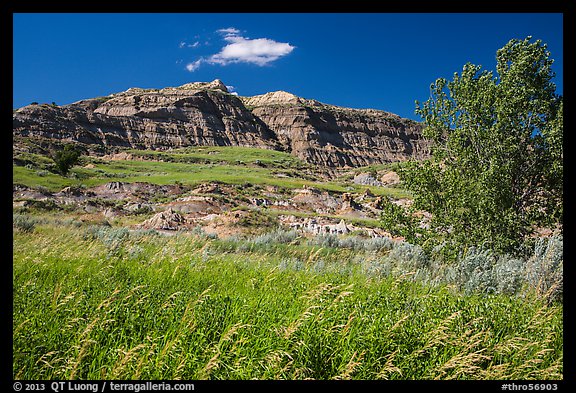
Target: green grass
point(223, 154)
point(392, 192)
point(104, 303)
point(217, 164)
point(31, 178)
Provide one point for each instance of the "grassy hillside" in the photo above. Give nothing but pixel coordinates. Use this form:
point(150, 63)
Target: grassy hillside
point(189, 166)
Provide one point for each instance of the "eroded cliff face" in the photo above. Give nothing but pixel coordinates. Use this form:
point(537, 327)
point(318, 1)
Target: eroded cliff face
point(335, 136)
point(189, 115)
point(198, 114)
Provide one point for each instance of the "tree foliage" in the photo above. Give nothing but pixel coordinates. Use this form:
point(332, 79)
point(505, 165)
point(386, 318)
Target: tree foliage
point(400, 222)
point(65, 159)
point(496, 166)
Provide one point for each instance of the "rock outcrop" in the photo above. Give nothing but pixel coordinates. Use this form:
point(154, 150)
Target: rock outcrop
point(199, 114)
point(189, 115)
point(390, 179)
point(166, 220)
point(366, 179)
point(335, 136)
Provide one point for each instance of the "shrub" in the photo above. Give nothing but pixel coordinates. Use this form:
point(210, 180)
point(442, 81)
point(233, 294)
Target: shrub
point(23, 223)
point(379, 268)
point(142, 233)
point(275, 237)
point(352, 242)
point(319, 266)
point(111, 237)
point(545, 268)
point(47, 205)
point(199, 231)
point(378, 244)
point(481, 270)
point(473, 271)
point(327, 240)
point(65, 159)
point(508, 275)
point(410, 256)
point(294, 264)
point(257, 220)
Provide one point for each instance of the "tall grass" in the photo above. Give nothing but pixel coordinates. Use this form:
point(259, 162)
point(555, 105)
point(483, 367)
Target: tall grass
point(191, 307)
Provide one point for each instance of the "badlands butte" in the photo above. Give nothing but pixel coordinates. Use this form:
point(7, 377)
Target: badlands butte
point(206, 114)
point(308, 165)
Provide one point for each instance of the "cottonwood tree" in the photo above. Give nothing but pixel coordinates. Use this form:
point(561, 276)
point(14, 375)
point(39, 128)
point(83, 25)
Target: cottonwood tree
point(496, 167)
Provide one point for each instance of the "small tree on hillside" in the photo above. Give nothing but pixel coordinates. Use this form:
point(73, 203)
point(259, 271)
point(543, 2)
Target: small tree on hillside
point(496, 163)
point(65, 159)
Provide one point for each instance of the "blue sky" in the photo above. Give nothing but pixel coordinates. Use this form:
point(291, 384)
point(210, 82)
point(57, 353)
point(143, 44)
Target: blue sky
point(381, 61)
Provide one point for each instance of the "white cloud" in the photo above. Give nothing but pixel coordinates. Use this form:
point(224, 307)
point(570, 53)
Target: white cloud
point(259, 51)
point(229, 31)
point(232, 38)
point(194, 66)
point(184, 44)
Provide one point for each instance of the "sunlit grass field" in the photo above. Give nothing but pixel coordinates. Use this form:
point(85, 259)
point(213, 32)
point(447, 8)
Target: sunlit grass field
point(190, 166)
point(94, 302)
